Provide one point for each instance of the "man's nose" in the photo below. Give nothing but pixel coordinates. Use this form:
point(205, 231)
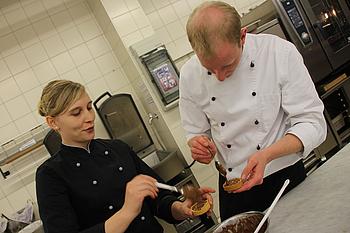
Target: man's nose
point(220, 75)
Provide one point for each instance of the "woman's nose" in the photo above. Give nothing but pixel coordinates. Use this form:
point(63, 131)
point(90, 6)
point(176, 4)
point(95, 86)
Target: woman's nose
point(90, 116)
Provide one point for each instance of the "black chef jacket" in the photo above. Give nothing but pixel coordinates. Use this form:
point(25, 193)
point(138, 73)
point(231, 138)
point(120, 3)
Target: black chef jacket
point(78, 191)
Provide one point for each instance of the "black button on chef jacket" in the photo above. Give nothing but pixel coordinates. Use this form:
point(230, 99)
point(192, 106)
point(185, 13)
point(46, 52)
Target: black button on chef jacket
point(78, 191)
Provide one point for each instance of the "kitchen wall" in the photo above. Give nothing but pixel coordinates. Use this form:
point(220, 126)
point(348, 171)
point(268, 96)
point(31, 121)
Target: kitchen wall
point(41, 41)
point(88, 42)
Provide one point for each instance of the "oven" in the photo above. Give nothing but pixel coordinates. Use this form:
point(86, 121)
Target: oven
point(320, 29)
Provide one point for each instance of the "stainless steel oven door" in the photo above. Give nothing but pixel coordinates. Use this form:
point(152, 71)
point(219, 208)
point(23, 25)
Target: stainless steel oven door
point(331, 22)
point(299, 31)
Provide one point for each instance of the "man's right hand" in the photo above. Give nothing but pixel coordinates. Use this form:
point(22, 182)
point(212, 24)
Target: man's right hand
point(200, 146)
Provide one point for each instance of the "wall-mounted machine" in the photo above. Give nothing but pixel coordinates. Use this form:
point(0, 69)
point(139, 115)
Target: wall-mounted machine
point(159, 69)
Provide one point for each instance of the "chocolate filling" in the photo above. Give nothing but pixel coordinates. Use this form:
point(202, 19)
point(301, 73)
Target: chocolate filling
point(246, 224)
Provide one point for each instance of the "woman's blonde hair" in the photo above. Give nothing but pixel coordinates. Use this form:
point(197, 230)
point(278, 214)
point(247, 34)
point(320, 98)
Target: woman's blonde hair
point(58, 95)
point(204, 29)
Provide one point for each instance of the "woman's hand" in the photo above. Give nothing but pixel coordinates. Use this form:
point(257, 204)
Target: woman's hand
point(182, 210)
point(200, 146)
point(137, 189)
point(253, 173)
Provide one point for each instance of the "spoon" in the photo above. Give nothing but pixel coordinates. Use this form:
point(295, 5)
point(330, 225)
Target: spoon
point(188, 191)
point(268, 212)
point(218, 165)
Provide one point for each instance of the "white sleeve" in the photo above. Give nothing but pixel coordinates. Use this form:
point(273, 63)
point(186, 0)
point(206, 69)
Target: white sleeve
point(194, 120)
point(302, 104)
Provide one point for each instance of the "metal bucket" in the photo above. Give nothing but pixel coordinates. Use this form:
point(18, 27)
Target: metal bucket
point(166, 164)
point(237, 218)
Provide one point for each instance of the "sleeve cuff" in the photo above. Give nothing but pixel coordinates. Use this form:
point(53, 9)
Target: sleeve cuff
point(164, 210)
point(307, 134)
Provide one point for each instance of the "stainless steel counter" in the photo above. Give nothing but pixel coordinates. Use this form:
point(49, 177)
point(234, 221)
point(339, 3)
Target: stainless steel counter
point(320, 204)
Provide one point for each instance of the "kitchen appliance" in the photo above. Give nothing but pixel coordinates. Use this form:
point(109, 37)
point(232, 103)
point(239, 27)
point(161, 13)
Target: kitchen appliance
point(320, 29)
point(122, 121)
point(52, 142)
point(159, 69)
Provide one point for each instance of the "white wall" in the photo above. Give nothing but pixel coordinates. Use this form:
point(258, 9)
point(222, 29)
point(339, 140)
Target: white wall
point(42, 40)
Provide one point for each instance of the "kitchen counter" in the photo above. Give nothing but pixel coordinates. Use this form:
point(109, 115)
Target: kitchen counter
point(320, 204)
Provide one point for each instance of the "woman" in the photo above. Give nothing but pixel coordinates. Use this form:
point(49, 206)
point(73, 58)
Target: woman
point(95, 185)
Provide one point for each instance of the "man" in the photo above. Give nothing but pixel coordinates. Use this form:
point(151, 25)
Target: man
point(250, 99)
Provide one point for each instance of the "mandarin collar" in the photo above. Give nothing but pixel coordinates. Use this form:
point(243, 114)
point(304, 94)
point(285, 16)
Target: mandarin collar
point(77, 148)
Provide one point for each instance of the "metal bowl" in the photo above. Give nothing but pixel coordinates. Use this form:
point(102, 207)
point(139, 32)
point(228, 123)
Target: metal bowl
point(234, 219)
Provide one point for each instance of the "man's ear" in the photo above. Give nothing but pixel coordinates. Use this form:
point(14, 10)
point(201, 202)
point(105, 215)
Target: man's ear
point(51, 121)
point(243, 35)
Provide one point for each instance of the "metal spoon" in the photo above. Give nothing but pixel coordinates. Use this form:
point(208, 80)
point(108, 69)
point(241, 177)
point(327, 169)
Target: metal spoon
point(188, 191)
point(218, 165)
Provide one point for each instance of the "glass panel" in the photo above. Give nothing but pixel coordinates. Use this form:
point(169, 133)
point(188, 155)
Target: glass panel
point(333, 24)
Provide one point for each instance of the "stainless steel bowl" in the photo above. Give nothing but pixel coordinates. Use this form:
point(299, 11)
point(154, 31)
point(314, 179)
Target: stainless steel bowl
point(234, 219)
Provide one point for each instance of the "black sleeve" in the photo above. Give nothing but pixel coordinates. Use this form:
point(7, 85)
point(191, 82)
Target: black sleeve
point(56, 211)
point(161, 206)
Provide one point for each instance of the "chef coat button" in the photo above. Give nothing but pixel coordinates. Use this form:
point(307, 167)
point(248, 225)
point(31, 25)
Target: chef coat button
point(228, 146)
point(222, 123)
point(143, 218)
point(94, 182)
point(230, 169)
point(252, 64)
point(256, 122)
point(253, 93)
point(110, 207)
point(209, 73)
point(120, 169)
point(213, 98)
point(258, 147)
point(106, 152)
point(77, 164)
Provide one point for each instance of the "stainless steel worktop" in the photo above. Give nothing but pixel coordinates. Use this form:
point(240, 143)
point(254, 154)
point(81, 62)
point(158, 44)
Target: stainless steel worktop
point(320, 204)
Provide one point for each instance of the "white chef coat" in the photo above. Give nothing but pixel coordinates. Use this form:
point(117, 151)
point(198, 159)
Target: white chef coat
point(269, 95)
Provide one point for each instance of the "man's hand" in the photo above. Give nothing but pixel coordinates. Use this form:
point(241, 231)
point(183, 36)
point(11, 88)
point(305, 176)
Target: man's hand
point(200, 146)
point(253, 173)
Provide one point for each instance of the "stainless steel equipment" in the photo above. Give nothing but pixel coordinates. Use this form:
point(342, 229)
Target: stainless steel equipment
point(320, 29)
point(159, 70)
point(123, 121)
point(241, 221)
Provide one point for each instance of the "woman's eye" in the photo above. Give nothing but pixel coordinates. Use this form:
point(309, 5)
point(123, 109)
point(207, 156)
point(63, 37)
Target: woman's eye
point(76, 113)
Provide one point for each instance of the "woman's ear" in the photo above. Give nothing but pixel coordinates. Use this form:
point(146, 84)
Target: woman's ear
point(51, 121)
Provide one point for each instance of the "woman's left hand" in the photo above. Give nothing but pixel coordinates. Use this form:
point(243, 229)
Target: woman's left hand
point(253, 173)
point(182, 210)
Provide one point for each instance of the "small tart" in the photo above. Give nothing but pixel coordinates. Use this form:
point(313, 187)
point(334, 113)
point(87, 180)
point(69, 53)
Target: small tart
point(233, 184)
point(200, 207)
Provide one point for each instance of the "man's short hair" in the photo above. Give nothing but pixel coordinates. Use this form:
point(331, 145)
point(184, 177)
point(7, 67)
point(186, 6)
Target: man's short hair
point(204, 29)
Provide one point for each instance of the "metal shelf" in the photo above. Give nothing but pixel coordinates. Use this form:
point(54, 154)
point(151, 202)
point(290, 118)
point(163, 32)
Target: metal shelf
point(334, 88)
point(21, 146)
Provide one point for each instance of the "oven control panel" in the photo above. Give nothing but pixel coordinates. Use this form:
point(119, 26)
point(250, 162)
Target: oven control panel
point(296, 20)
